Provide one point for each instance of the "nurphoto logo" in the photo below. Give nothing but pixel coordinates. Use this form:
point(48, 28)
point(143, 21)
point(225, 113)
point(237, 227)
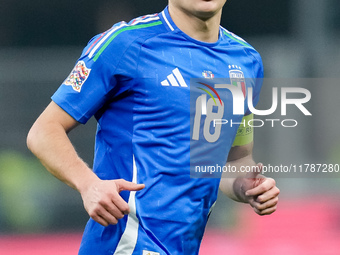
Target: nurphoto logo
point(221, 103)
point(238, 105)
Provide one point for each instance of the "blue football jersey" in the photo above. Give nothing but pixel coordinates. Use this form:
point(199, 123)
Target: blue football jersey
point(136, 79)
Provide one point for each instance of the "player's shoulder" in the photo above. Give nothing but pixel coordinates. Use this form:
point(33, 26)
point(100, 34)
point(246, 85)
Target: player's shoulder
point(237, 41)
point(121, 35)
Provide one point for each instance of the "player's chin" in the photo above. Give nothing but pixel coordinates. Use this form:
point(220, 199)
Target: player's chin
point(204, 15)
point(207, 9)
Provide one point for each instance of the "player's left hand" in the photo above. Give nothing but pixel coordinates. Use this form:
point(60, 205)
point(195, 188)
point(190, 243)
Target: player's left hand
point(260, 192)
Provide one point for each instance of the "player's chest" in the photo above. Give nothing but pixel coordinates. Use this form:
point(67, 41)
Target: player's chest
point(167, 72)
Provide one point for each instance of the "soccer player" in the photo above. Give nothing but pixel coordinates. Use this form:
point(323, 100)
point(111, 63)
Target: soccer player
point(135, 79)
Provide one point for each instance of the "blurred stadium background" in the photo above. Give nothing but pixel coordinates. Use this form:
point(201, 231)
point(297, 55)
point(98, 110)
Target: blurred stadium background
point(299, 42)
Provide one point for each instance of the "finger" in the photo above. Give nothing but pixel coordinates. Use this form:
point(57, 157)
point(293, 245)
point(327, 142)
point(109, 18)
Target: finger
point(266, 211)
point(102, 216)
point(118, 201)
point(263, 206)
point(114, 211)
point(100, 220)
point(107, 217)
point(106, 213)
point(112, 208)
point(120, 204)
point(125, 185)
point(263, 187)
point(269, 195)
point(97, 215)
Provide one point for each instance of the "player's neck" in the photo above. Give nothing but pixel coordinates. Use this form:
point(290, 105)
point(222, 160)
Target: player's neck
point(205, 30)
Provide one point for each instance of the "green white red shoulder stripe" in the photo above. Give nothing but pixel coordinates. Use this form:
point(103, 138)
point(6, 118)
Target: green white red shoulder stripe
point(107, 37)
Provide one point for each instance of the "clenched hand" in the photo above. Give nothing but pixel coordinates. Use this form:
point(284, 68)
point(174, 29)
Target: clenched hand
point(103, 202)
point(260, 192)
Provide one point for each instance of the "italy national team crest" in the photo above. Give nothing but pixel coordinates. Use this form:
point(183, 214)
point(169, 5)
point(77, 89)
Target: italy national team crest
point(237, 79)
point(78, 76)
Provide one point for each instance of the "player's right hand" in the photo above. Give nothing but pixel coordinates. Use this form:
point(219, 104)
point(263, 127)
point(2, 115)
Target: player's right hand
point(103, 202)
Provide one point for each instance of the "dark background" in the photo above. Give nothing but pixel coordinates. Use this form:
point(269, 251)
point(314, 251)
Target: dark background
point(64, 22)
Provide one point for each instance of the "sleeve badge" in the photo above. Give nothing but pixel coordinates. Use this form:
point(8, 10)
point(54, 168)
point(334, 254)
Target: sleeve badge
point(78, 76)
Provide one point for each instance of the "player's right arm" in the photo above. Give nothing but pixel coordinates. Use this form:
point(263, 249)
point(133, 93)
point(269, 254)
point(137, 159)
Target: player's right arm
point(49, 141)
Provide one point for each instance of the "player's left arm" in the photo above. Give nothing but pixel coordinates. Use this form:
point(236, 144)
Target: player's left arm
point(249, 187)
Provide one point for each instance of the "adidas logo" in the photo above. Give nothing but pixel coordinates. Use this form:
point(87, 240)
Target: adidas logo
point(175, 79)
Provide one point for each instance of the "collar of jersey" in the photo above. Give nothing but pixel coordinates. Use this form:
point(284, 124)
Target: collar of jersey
point(171, 26)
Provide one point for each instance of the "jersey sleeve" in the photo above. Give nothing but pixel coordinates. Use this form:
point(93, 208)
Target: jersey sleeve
point(93, 80)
